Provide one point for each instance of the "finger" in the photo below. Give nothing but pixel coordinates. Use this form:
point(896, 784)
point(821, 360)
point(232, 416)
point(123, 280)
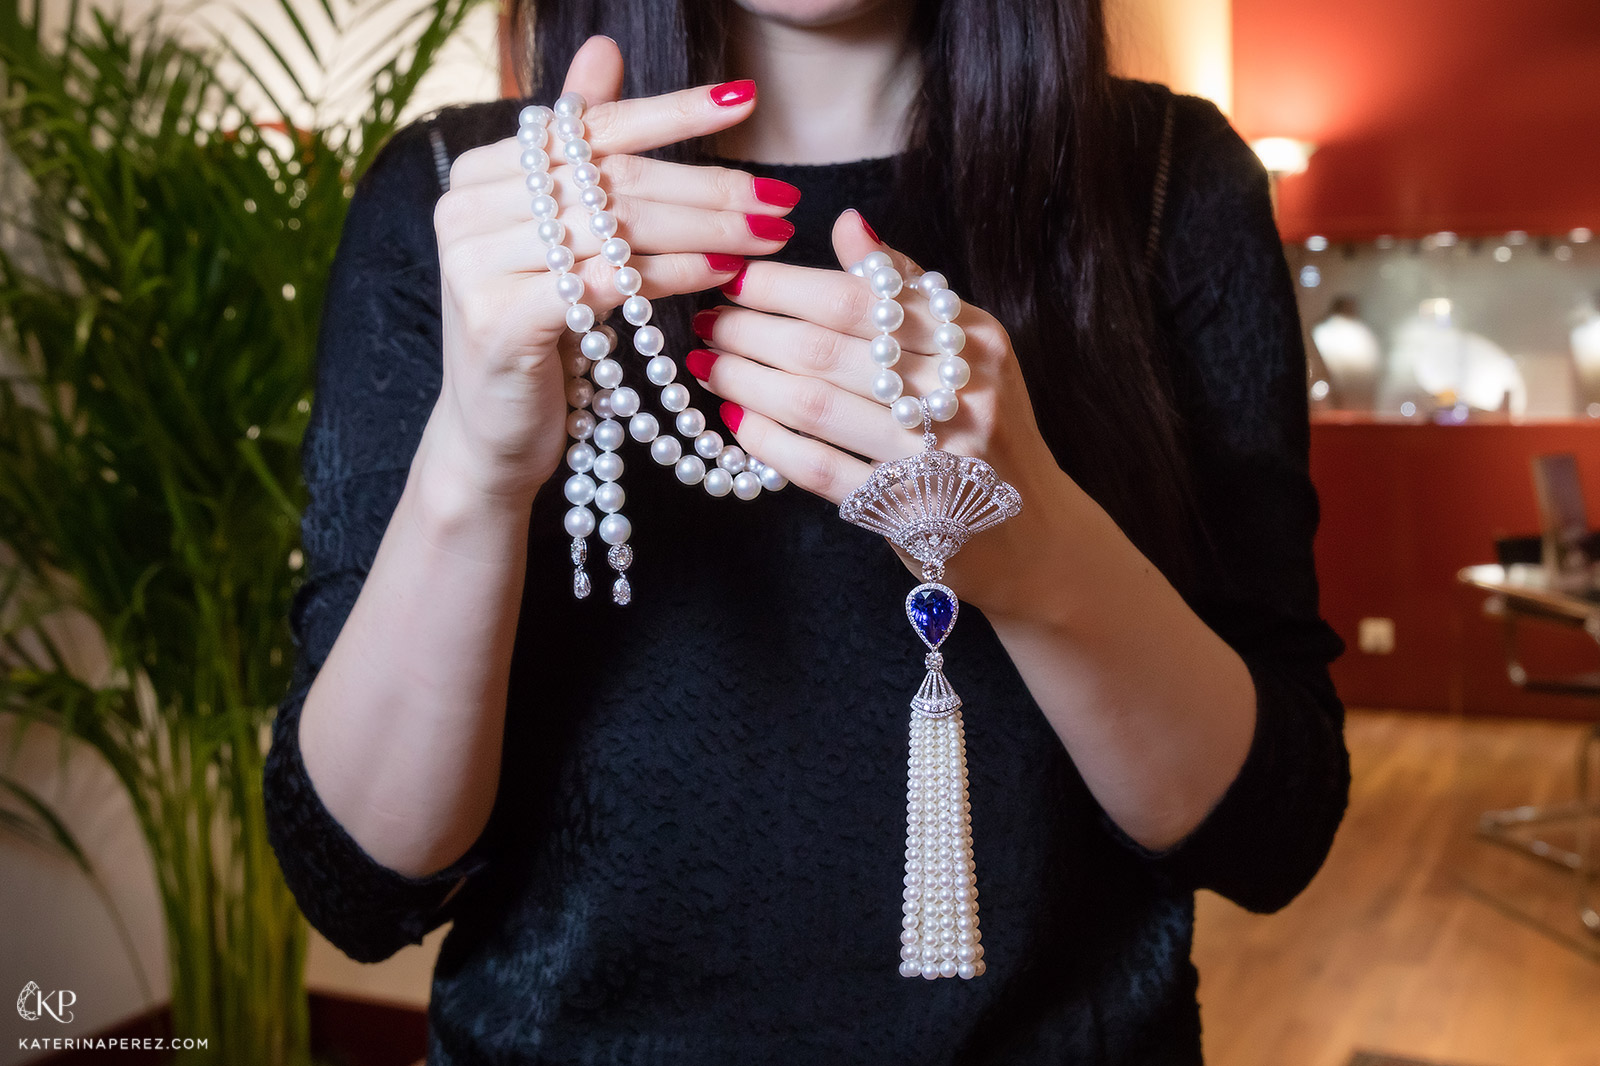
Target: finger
point(533, 295)
point(595, 72)
point(812, 406)
point(811, 464)
point(832, 299)
point(811, 350)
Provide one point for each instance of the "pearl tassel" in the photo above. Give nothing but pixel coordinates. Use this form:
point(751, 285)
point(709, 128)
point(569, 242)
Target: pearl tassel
point(939, 933)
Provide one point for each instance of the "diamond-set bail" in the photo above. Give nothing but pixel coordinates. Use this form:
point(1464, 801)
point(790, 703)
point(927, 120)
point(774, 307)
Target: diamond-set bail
point(580, 577)
point(621, 557)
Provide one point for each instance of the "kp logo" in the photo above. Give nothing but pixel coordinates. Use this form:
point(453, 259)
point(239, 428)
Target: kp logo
point(34, 1003)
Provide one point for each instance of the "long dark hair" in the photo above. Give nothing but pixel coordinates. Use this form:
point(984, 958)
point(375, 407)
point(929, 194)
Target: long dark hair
point(1017, 117)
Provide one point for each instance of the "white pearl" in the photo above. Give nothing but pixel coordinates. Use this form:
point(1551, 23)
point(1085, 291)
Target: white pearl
point(771, 480)
point(570, 104)
point(691, 423)
point(594, 344)
point(579, 522)
point(949, 338)
point(627, 280)
point(567, 127)
point(930, 970)
point(665, 450)
point(942, 405)
point(690, 469)
point(887, 315)
point(608, 466)
point(580, 424)
point(594, 198)
point(579, 392)
point(636, 311)
point(539, 183)
point(732, 459)
point(580, 458)
point(601, 404)
point(887, 386)
point(954, 372)
point(534, 158)
point(570, 288)
point(931, 282)
point(608, 435)
point(967, 971)
point(649, 341)
point(577, 151)
point(746, 485)
point(559, 259)
point(544, 206)
point(661, 370)
point(532, 134)
point(643, 427)
point(886, 283)
point(885, 350)
point(876, 261)
point(534, 115)
point(675, 397)
point(603, 224)
point(718, 482)
point(585, 175)
point(708, 445)
point(907, 411)
point(615, 250)
point(551, 231)
point(625, 402)
point(615, 529)
point(609, 497)
point(944, 305)
point(858, 268)
point(580, 317)
point(947, 968)
point(607, 373)
point(579, 489)
point(910, 968)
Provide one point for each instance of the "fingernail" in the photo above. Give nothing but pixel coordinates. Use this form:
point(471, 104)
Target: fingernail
point(703, 321)
point(867, 226)
point(724, 264)
point(732, 415)
point(699, 363)
point(775, 192)
point(732, 93)
point(768, 228)
point(735, 283)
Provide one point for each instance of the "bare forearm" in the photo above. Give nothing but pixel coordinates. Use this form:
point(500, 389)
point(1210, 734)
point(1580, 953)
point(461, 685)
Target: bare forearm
point(1156, 710)
point(401, 731)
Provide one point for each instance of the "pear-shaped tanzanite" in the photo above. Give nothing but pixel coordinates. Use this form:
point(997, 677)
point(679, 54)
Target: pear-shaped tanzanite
point(932, 610)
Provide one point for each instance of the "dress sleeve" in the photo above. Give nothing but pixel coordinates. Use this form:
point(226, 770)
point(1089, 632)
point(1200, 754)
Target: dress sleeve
point(1240, 369)
point(378, 375)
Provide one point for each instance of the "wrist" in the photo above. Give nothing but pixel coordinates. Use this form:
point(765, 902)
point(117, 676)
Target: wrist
point(456, 507)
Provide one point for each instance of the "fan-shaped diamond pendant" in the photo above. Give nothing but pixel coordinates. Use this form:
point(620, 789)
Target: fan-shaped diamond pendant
point(930, 504)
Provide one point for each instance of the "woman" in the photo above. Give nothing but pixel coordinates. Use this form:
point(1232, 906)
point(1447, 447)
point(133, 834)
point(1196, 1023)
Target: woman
point(671, 832)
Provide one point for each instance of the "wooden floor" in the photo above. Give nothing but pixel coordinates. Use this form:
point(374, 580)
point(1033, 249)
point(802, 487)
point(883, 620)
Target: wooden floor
point(1390, 949)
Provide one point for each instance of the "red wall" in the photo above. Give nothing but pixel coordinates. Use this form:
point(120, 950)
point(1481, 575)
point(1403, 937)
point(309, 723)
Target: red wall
point(1404, 507)
point(1479, 116)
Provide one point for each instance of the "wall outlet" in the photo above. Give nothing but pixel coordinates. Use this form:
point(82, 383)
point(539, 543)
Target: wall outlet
point(1376, 636)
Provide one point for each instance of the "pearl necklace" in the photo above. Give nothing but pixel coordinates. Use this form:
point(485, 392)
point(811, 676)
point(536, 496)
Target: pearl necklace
point(929, 504)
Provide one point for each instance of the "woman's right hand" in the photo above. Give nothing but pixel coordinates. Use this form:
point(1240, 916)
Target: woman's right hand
point(499, 426)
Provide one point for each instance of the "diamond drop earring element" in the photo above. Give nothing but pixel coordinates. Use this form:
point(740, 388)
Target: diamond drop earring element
point(930, 504)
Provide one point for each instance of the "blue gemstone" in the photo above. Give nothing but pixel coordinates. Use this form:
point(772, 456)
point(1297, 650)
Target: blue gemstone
point(932, 611)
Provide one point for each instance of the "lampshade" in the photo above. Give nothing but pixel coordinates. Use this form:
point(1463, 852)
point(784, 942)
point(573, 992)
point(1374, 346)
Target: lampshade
point(1283, 155)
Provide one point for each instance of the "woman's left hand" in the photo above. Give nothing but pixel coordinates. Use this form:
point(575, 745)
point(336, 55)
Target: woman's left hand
point(791, 360)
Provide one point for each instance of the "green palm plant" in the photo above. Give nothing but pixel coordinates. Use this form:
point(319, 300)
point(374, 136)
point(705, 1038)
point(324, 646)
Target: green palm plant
point(164, 256)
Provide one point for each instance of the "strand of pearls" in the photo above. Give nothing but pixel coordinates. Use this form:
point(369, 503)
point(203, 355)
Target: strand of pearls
point(888, 316)
point(939, 934)
point(598, 399)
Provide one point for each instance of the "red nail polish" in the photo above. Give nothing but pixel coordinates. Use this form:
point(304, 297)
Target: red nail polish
point(867, 226)
point(724, 264)
point(734, 284)
point(703, 321)
point(699, 363)
point(775, 192)
point(768, 228)
point(732, 415)
point(732, 93)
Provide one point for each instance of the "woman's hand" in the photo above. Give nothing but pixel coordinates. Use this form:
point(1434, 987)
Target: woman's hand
point(792, 361)
point(498, 429)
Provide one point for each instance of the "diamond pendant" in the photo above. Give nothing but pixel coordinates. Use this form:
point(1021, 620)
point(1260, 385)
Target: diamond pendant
point(930, 505)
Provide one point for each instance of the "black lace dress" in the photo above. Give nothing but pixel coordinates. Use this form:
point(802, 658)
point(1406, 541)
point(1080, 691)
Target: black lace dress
point(695, 855)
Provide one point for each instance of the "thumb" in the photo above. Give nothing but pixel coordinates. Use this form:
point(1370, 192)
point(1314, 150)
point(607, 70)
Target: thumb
point(595, 72)
point(853, 240)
